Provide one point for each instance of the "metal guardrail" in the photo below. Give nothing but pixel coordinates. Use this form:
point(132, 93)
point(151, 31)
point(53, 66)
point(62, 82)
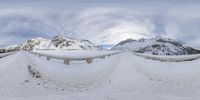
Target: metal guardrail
point(6, 54)
point(68, 59)
point(179, 58)
point(89, 60)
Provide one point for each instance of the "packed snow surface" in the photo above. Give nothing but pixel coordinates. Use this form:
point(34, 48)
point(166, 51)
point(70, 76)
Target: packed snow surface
point(124, 76)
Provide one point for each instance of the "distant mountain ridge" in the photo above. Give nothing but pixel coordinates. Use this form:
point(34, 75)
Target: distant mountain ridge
point(57, 42)
point(107, 46)
point(155, 46)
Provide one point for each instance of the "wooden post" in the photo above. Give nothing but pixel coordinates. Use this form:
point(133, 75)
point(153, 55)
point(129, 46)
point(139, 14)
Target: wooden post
point(89, 60)
point(66, 61)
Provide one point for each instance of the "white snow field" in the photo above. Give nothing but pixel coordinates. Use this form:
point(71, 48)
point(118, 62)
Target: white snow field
point(124, 76)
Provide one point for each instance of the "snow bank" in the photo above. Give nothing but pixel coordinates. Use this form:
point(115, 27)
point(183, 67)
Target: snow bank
point(169, 58)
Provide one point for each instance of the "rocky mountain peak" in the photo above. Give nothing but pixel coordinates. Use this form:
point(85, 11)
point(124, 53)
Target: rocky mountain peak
point(156, 46)
point(57, 42)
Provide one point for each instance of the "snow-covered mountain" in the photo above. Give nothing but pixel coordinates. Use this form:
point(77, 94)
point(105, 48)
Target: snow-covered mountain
point(61, 42)
point(156, 46)
point(57, 42)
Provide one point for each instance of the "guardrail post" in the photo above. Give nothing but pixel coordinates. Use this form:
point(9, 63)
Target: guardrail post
point(103, 57)
point(48, 58)
point(66, 61)
point(89, 60)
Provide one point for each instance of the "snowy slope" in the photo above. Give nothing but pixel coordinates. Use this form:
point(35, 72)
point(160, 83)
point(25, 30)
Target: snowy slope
point(156, 46)
point(37, 43)
point(119, 77)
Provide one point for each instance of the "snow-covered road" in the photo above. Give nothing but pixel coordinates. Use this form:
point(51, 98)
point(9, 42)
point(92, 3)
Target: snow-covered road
point(120, 77)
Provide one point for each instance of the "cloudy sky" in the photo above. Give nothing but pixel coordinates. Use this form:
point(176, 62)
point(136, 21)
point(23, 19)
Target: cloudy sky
point(101, 21)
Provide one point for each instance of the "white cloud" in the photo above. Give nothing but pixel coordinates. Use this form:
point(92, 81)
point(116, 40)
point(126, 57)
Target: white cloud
point(100, 23)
